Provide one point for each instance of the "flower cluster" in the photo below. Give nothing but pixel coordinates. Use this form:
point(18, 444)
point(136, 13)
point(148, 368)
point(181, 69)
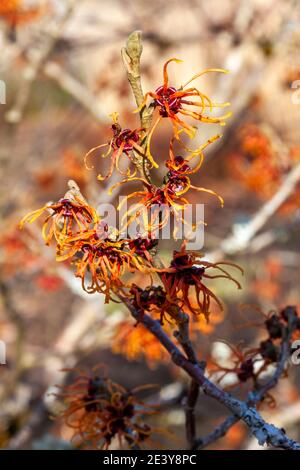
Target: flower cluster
point(101, 258)
point(100, 410)
point(135, 145)
point(104, 262)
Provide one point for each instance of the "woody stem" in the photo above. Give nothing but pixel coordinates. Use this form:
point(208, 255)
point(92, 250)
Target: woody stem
point(131, 55)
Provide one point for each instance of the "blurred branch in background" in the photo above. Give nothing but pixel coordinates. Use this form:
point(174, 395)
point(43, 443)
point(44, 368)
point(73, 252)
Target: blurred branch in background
point(37, 60)
point(240, 240)
point(78, 91)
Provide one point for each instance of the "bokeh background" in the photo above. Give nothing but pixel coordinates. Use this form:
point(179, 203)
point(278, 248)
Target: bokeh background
point(64, 75)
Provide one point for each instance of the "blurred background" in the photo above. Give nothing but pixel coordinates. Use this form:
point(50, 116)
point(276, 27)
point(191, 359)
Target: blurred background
point(61, 66)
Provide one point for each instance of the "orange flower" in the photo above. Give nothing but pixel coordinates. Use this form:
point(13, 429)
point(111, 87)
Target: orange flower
point(102, 263)
point(154, 204)
point(186, 273)
point(101, 260)
point(123, 142)
point(66, 216)
point(99, 410)
point(182, 165)
point(153, 300)
point(171, 101)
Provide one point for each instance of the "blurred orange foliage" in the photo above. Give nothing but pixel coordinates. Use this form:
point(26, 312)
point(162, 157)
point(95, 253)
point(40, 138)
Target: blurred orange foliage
point(14, 13)
point(261, 167)
point(136, 342)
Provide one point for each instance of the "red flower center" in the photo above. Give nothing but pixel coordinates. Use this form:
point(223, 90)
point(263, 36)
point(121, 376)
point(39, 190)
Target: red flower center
point(166, 97)
point(126, 137)
point(176, 184)
point(67, 207)
point(180, 162)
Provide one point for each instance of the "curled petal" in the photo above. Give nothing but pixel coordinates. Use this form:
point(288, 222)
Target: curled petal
point(203, 73)
point(209, 191)
point(90, 152)
point(129, 180)
point(165, 70)
point(32, 216)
